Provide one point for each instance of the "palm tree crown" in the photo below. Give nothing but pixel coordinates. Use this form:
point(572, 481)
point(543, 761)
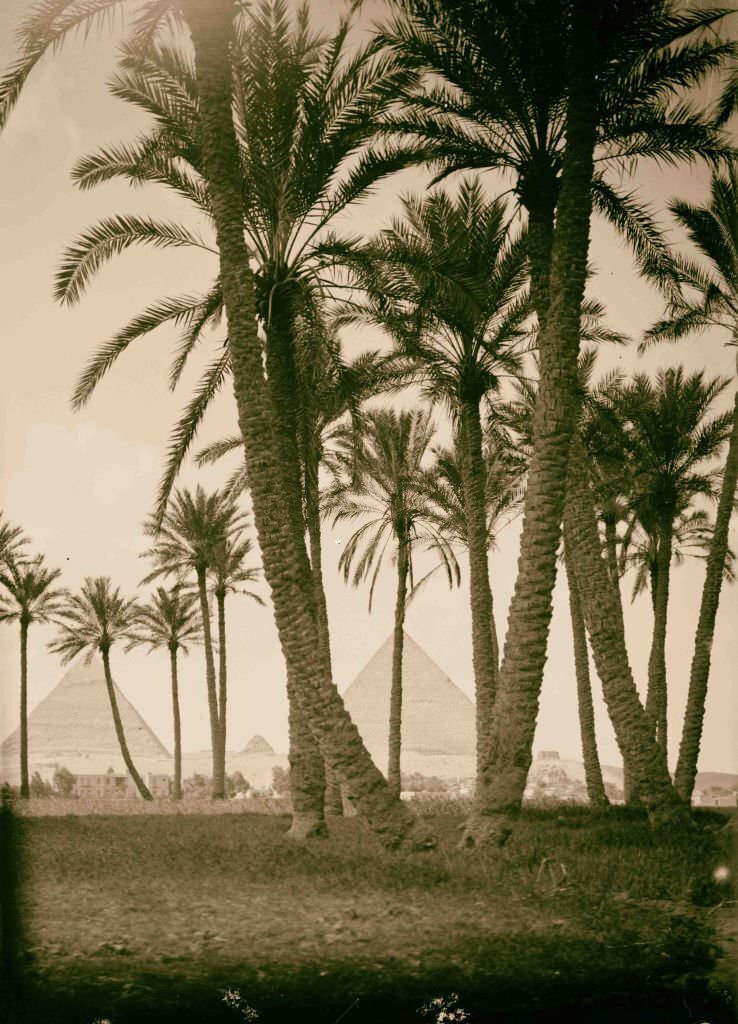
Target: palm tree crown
point(170, 618)
point(384, 482)
point(30, 595)
point(93, 619)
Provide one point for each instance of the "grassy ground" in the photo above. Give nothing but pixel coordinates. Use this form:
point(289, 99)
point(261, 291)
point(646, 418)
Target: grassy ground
point(151, 918)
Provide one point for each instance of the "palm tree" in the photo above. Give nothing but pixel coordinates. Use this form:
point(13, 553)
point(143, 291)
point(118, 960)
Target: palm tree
point(447, 283)
point(333, 151)
point(669, 440)
point(229, 574)
point(599, 66)
point(190, 541)
point(29, 597)
point(12, 539)
point(171, 619)
point(710, 299)
point(383, 481)
point(93, 620)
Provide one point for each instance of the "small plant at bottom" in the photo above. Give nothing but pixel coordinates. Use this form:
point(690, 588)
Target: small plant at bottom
point(233, 999)
point(444, 1010)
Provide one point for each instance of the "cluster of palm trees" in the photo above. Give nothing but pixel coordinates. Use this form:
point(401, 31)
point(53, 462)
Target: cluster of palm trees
point(274, 131)
point(204, 549)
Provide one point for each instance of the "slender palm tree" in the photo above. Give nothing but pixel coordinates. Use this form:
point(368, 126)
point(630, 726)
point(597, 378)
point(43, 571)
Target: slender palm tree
point(229, 574)
point(603, 73)
point(334, 118)
point(447, 283)
point(671, 440)
point(12, 539)
point(383, 481)
point(30, 597)
point(709, 299)
point(189, 542)
point(93, 620)
point(171, 619)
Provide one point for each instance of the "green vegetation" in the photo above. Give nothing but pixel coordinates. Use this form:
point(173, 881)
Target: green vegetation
point(597, 911)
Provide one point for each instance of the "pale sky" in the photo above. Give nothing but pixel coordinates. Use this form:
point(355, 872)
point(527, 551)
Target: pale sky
point(81, 484)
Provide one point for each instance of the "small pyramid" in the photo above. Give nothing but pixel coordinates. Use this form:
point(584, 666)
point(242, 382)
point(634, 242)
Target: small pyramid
point(437, 718)
point(75, 721)
point(258, 745)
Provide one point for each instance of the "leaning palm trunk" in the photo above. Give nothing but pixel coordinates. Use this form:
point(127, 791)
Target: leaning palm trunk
point(656, 696)
point(281, 539)
point(394, 746)
point(501, 784)
point(218, 783)
point(222, 686)
point(592, 769)
point(689, 749)
point(307, 770)
point(118, 724)
point(177, 789)
point(603, 616)
point(484, 639)
point(333, 802)
point(25, 789)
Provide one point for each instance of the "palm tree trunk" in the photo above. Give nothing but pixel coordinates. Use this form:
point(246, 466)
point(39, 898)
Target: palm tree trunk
point(282, 541)
point(333, 802)
point(656, 696)
point(501, 784)
point(484, 639)
point(138, 781)
point(689, 748)
point(218, 782)
point(603, 616)
point(25, 789)
point(394, 746)
point(592, 769)
point(611, 541)
point(222, 687)
point(177, 792)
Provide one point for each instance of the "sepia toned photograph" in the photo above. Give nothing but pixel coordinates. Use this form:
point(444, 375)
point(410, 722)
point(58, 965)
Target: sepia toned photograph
point(369, 512)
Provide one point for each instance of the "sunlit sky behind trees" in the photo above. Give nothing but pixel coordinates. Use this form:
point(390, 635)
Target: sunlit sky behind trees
point(81, 484)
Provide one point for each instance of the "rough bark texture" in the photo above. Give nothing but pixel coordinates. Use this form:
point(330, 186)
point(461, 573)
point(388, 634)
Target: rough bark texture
point(177, 790)
point(217, 791)
point(590, 756)
point(501, 784)
point(603, 617)
point(689, 749)
point(281, 382)
point(118, 725)
point(333, 802)
point(484, 639)
point(222, 686)
point(656, 697)
point(282, 543)
point(394, 744)
point(25, 788)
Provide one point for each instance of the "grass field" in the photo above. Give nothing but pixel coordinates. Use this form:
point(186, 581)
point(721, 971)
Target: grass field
point(153, 917)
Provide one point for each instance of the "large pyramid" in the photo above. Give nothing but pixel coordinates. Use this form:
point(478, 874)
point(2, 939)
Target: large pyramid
point(437, 718)
point(73, 726)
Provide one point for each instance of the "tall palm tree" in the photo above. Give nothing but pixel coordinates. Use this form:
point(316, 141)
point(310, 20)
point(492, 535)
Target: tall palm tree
point(342, 95)
point(229, 574)
point(384, 482)
point(171, 619)
point(30, 597)
point(93, 620)
point(599, 66)
point(670, 441)
point(12, 539)
point(709, 299)
point(190, 542)
point(447, 283)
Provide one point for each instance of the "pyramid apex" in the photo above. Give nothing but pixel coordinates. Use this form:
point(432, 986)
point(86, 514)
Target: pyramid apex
point(84, 671)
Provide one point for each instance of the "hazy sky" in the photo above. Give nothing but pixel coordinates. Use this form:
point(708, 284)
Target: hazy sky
point(81, 484)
